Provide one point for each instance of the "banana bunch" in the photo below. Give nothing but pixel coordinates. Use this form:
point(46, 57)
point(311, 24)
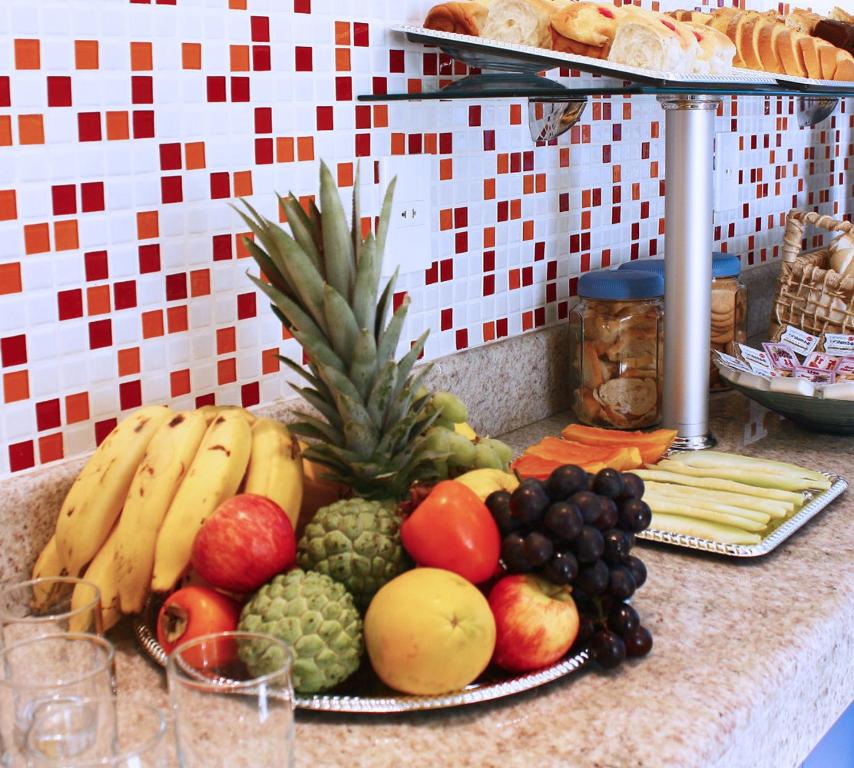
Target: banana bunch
point(130, 518)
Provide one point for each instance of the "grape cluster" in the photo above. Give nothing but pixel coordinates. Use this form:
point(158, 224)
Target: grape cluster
point(578, 529)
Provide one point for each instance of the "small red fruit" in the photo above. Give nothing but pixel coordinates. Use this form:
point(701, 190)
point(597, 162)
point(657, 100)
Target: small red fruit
point(244, 543)
point(195, 611)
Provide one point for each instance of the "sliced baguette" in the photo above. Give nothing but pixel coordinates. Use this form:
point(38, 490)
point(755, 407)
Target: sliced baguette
point(768, 47)
point(747, 42)
point(790, 54)
point(844, 67)
point(732, 31)
point(809, 50)
point(827, 57)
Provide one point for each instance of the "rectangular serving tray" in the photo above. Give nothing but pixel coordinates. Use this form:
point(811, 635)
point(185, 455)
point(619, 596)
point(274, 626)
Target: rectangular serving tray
point(818, 500)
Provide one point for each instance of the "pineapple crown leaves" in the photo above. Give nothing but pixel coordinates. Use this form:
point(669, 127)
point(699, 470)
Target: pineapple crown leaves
point(323, 282)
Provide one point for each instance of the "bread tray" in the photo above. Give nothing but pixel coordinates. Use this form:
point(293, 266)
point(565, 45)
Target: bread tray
point(818, 500)
point(526, 59)
point(811, 83)
point(363, 693)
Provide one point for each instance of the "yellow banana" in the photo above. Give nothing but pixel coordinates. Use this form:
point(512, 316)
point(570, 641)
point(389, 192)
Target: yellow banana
point(95, 500)
point(212, 411)
point(485, 481)
point(48, 564)
point(167, 460)
point(213, 477)
point(464, 428)
point(275, 467)
point(102, 573)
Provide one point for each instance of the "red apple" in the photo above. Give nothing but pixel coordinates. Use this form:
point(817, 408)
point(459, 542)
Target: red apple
point(244, 543)
point(536, 622)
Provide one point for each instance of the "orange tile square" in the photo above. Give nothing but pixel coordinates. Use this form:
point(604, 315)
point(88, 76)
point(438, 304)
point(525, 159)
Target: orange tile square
point(446, 219)
point(305, 148)
point(86, 54)
point(367, 226)
point(147, 225)
point(540, 182)
point(527, 321)
point(270, 361)
point(286, 334)
point(176, 318)
point(617, 174)
point(5, 131)
point(585, 219)
point(398, 144)
point(489, 237)
point(118, 126)
point(564, 157)
point(489, 189)
point(8, 205)
point(16, 386)
point(65, 235)
point(239, 58)
point(237, 5)
point(342, 59)
point(627, 111)
point(128, 360)
point(380, 115)
point(342, 33)
point(528, 230)
point(503, 163)
point(489, 331)
point(200, 282)
point(226, 340)
point(226, 371)
point(10, 278)
point(516, 209)
point(515, 114)
point(345, 174)
point(27, 54)
point(653, 169)
point(284, 149)
point(527, 184)
point(413, 85)
point(513, 279)
point(240, 244)
point(179, 382)
point(31, 129)
point(50, 447)
point(140, 57)
point(191, 55)
point(431, 144)
point(36, 238)
point(242, 183)
point(98, 299)
point(76, 408)
point(446, 169)
point(194, 155)
point(152, 324)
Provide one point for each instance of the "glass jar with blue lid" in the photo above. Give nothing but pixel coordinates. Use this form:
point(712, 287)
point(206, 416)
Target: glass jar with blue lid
point(729, 305)
point(617, 349)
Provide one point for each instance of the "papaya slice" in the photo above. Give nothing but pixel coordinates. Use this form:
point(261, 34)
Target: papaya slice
point(652, 445)
point(569, 452)
point(540, 467)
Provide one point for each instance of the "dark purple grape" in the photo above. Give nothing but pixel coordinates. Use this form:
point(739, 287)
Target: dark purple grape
point(586, 628)
point(564, 520)
point(623, 619)
point(498, 500)
point(637, 569)
point(593, 579)
point(538, 549)
point(633, 486)
point(562, 568)
point(589, 545)
point(529, 501)
point(565, 481)
point(514, 554)
point(589, 505)
point(638, 642)
point(608, 482)
point(498, 503)
point(608, 649)
point(635, 515)
point(621, 584)
point(616, 546)
point(609, 515)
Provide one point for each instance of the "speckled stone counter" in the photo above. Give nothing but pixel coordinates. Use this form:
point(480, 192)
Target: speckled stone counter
point(752, 662)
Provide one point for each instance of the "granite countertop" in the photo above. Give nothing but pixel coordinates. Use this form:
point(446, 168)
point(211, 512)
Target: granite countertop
point(752, 661)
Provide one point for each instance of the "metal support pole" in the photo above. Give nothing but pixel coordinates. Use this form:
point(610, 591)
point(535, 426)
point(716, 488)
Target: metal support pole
point(689, 142)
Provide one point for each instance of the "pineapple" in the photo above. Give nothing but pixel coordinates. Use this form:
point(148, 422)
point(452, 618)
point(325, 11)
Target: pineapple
point(324, 286)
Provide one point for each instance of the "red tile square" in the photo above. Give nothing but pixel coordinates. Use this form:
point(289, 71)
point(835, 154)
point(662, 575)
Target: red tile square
point(303, 58)
point(5, 95)
point(216, 88)
point(260, 29)
point(96, 265)
point(143, 124)
point(47, 415)
point(70, 304)
point(395, 61)
point(220, 185)
point(64, 198)
point(263, 151)
point(324, 119)
point(100, 334)
point(89, 126)
point(222, 247)
point(149, 258)
point(363, 144)
point(261, 58)
point(170, 157)
point(21, 456)
point(462, 338)
point(124, 294)
point(343, 88)
point(171, 189)
point(240, 89)
point(302, 6)
point(245, 306)
point(50, 448)
point(250, 394)
point(447, 319)
point(103, 428)
point(360, 34)
point(263, 120)
point(176, 286)
point(92, 196)
point(13, 350)
point(363, 117)
point(58, 91)
point(142, 89)
point(130, 394)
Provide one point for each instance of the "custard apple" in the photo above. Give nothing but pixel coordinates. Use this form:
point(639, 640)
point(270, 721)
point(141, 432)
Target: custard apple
point(357, 543)
point(316, 617)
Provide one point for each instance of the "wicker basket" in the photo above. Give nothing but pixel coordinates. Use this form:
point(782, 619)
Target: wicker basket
point(810, 295)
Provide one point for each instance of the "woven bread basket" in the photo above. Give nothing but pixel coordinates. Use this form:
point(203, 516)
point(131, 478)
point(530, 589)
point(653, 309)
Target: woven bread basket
point(810, 295)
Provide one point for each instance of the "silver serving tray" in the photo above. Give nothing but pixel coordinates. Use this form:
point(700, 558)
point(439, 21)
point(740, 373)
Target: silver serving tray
point(818, 500)
point(364, 694)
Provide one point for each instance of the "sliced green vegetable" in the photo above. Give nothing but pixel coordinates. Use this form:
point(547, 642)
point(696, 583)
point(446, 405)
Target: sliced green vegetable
point(674, 507)
point(703, 529)
point(752, 504)
point(732, 461)
point(747, 476)
point(716, 484)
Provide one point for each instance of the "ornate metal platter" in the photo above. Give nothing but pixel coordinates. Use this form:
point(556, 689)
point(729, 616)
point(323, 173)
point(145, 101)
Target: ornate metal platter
point(363, 693)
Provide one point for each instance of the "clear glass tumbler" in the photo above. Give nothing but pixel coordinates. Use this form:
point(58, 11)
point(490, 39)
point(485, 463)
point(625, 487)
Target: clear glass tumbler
point(50, 668)
point(81, 733)
point(232, 699)
point(48, 606)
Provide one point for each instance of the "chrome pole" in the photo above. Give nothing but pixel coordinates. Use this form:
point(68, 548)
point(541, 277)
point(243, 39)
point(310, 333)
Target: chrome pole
point(689, 147)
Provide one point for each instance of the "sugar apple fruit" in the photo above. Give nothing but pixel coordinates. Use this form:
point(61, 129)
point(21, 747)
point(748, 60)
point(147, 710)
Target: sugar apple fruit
point(357, 543)
point(316, 617)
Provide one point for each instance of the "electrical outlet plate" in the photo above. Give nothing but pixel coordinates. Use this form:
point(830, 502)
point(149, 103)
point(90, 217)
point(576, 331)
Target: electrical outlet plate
point(726, 171)
point(408, 245)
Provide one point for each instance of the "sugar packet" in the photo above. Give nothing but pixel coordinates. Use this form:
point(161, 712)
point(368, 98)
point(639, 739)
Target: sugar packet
point(781, 356)
point(799, 341)
point(822, 361)
point(839, 343)
point(814, 375)
point(844, 370)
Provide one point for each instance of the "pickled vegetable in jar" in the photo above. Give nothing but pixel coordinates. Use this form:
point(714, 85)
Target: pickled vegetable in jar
point(616, 333)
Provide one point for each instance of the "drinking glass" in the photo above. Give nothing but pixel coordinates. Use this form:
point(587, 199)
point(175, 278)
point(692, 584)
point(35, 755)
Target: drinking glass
point(227, 713)
point(54, 667)
point(39, 607)
point(88, 733)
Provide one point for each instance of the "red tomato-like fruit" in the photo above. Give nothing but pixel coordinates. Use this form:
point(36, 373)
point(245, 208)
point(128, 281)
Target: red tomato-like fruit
point(244, 543)
point(195, 611)
point(453, 529)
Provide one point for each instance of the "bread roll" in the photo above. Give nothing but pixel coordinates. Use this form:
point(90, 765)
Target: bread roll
point(801, 21)
point(462, 18)
point(840, 15)
point(586, 29)
point(717, 51)
point(641, 43)
point(524, 22)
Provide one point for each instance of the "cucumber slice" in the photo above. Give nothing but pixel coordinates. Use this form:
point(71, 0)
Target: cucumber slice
point(716, 484)
point(747, 476)
point(732, 461)
point(769, 508)
point(659, 505)
point(703, 529)
point(692, 500)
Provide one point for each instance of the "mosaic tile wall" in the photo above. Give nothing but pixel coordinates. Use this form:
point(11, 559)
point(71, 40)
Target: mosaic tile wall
point(126, 126)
